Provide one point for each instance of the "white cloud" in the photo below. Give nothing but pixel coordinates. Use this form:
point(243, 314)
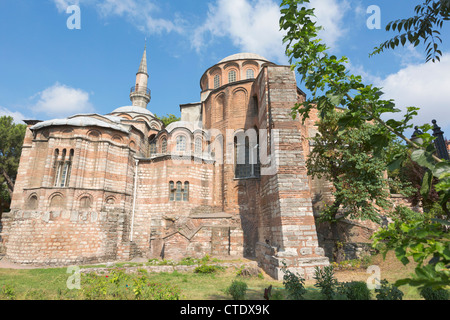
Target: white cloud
point(330, 15)
point(62, 5)
point(252, 26)
point(140, 13)
point(424, 85)
point(16, 115)
point(62, 101)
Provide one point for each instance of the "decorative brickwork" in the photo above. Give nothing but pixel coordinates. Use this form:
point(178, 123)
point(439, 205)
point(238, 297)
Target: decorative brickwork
point(95, 188)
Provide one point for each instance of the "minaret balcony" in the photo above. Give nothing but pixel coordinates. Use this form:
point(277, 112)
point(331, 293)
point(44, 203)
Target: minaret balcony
point(136, 90)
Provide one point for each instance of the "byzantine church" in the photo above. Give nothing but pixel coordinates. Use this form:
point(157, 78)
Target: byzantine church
point(228, 180)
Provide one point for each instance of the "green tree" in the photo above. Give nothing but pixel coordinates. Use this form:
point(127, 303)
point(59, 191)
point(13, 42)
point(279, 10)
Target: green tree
point(345, 158)
point(11, 140)
point(422, 27)
point(331, 85)
point(168, 119)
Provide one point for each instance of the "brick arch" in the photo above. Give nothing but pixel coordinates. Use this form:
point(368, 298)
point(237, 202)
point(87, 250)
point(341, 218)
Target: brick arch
point(239, 98)
point(118, 139)
point(231, 65)
point(219, 109)
point(32, 202)
point(94, 135)
point(56, 200)
point(236, 72)
point(85, 200)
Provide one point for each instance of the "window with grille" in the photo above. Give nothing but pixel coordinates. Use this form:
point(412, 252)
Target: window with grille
point(231, 76)
point(164, 146)
point(216, 81)
point(181, 143)
point(250, 74)
point(198, 146)
point(153, 148)
point(63, 166)
point(179, 192)
point(247, 162)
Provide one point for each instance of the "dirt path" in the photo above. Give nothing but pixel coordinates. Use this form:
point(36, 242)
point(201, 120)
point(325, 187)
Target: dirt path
point(6, 264)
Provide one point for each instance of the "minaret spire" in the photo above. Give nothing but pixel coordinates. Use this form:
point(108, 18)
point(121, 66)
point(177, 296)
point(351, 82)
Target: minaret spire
point(140, 94)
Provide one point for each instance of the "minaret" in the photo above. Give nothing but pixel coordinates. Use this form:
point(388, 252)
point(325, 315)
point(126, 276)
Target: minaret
point(140, 94)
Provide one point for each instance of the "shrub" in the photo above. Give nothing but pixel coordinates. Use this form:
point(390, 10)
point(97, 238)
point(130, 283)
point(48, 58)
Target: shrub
point(388, 292)
point(326, 281)
point(204, 268)
point(354, 290)
point(237, 290)
point(8, 291)
point(429, 293)
point(294, 285)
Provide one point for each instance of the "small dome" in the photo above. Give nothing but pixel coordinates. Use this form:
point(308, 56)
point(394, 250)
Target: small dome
point(243, 56)
point(133, 109)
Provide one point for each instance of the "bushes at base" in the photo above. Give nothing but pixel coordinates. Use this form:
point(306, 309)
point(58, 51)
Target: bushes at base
point(354, 290)
point(429, 293)
point(388, 292)
point(237, 290)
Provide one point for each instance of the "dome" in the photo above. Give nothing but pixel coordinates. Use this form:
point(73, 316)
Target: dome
point(243, 56)
point(134, 109)
point(83, 120)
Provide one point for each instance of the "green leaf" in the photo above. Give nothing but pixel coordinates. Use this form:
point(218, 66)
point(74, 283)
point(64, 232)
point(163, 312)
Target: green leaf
point(426, 184)
point(423, 158)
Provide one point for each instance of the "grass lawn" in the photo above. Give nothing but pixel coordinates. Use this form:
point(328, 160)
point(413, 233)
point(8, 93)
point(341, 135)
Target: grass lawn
point(50, 284)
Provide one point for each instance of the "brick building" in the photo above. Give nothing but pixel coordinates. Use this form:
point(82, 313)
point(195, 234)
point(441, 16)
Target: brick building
point(229, 179)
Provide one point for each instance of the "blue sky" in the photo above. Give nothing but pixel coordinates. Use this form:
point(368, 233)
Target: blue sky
point(49, 71)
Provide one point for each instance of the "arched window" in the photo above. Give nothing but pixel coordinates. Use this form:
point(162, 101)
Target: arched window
point(85, 202)
point(179, 192)
point(64, 167)
point(57, 201)
point(32, 203)
point(250, 74)
point(171, 191)
point(186, 192)
point(153, 148)
point(164, 146)
point(181, 143)
point(247, 162)
point(198, 146)
point(231, 76)
point(216, 81)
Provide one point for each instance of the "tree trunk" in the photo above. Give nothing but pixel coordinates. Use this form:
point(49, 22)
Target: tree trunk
point(9, 182)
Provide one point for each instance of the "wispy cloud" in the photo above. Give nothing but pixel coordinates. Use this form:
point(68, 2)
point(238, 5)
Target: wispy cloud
point(330, 15)
point(16, 115)
point(252, 26)
point(60, 101)
point(423, 85)
point(143, 14)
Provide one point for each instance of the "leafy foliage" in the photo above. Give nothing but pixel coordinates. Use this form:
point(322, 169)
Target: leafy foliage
point(326, 281)
point(168, 119)
point(345, 157)
point(294, 285)
point(388, 291)
point(331, 86)
point(432, 294)
point(420, 240)
point(11, 140)
point(354, 290)
point(237, 289)
point(423, 27)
